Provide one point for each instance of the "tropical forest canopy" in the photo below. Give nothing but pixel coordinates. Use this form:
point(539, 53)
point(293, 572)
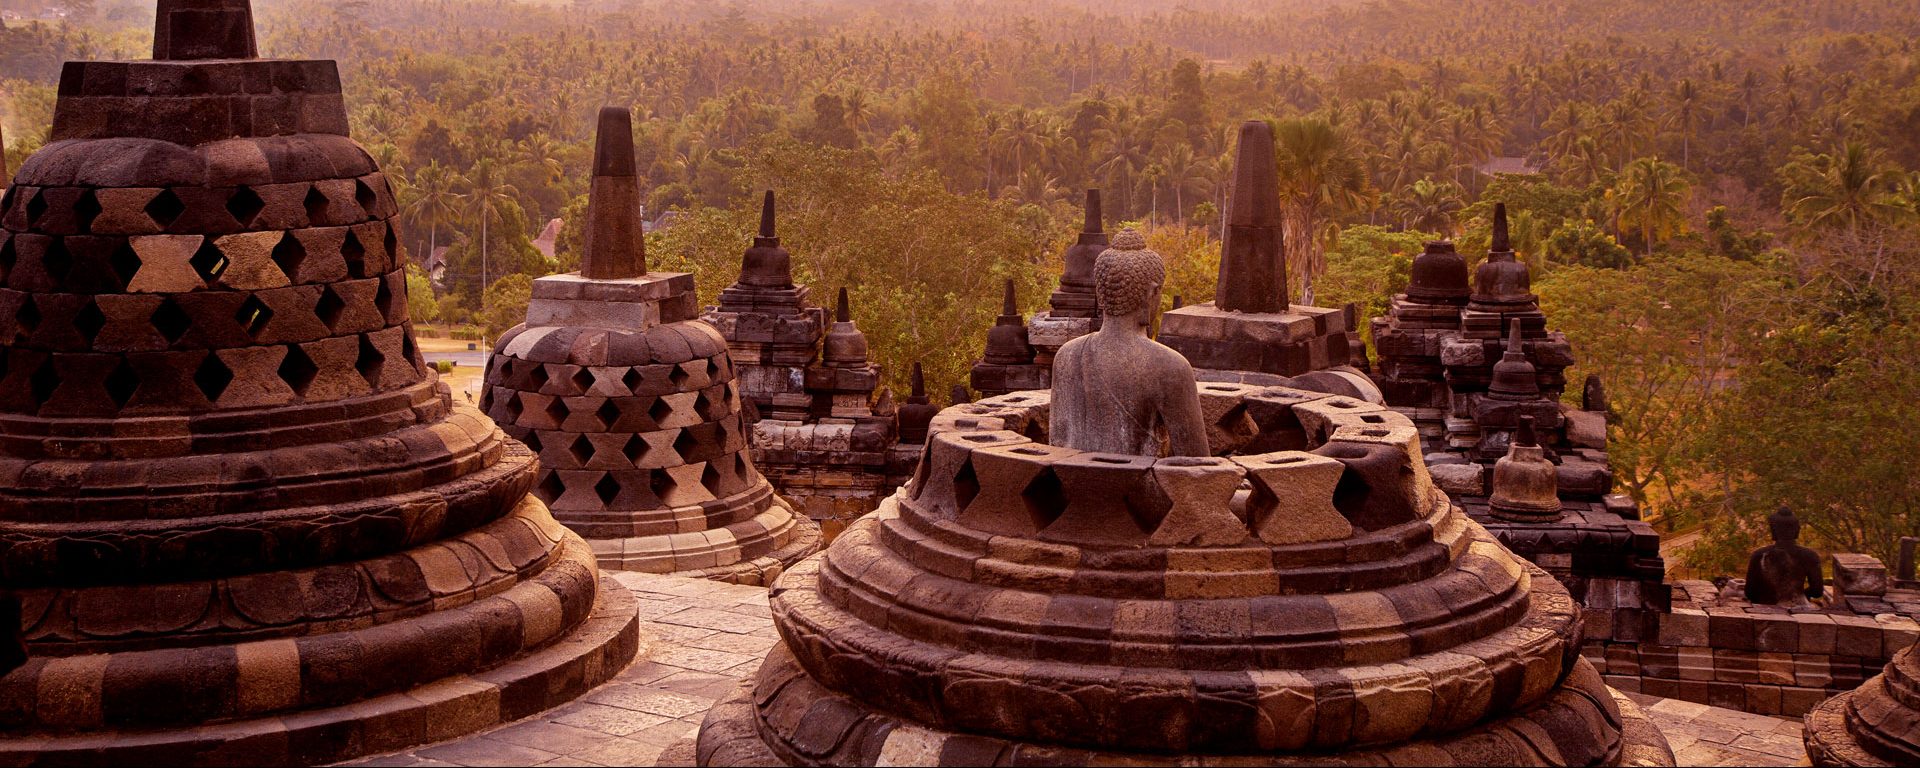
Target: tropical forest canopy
point(1719, 200)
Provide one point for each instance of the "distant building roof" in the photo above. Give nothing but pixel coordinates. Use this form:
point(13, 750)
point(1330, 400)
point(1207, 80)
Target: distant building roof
point(1513, 165)
point(548, 239)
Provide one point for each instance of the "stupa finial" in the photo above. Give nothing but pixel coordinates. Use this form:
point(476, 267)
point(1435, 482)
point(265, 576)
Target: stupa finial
point(766, 219)
point(1253, 269)
point(203, 29)
point(842, 313)
point(1501, 242)
point(1094, 225)
point(616, 243)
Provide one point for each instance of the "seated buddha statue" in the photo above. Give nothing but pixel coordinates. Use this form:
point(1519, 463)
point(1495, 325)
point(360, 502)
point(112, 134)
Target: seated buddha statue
point(1116, 390)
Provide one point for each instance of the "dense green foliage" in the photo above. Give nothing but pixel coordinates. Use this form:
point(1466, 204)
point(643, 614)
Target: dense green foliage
point(924, 152)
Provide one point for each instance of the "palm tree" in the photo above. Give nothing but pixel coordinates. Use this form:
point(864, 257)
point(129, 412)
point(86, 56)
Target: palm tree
point(1184, 174)
point(1321, 175)
point(1686, 101)
point(1845, 190)
point(434, 200)
point(1429, 206)
point(1651, 196)
point(487, 191)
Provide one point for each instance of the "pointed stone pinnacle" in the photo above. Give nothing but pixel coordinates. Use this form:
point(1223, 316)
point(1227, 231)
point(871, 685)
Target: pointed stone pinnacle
point(843, 314)
point(1094, 223)
point(919, 381)
point(1008, 307)
point(1501, 243)
point(1524, 437)
point(1514, 348)
point(766, 217)
point(203, 29)
point(616, 242)
point(1253, 269)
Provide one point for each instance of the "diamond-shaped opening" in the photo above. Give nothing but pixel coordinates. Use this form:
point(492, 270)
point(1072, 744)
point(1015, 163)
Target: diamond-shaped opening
point(122, 383)
point(632, 380)
point(533, 441)
point(966, 485)
point(537, 378)
point(89, 321)
point(383, 300)
point(710, 479)
point(515, 408)
point(679, 376)
point(713, 370)
point(28, 318)
point(125, 262)
point(356, 255)
point(607, 489)
point(209, 262)
point(703, 405)
point(370, 362)
point(581, 449)
point(298, 370)
point(8, 256)
point(1045, 499)
point(662, 484)
point(316, 203)
point(411, 351)
point(550, 488)
point(165, 208)
point(634, 449)
point(45, 382)
point(329, 307)
point(686, 445)
point(392, 243)
point(558, 411)
point(660, 410)
point(86, 209)
point(170, 320)
point(486, 400)
point(212, 377)
point(608, 414)
point(253, 315)
point(583, 380)
point(57, 260)
point(288, 254)
point(36, 207)
point(363, 195)
point(245, 204)
point(6, 198)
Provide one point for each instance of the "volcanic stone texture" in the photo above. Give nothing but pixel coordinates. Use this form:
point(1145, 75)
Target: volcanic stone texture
point(1022, 603)
point(245, 521)
point(1877, 724)
point(630, 402)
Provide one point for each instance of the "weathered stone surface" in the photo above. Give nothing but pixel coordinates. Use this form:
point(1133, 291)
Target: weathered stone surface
point(266, 533)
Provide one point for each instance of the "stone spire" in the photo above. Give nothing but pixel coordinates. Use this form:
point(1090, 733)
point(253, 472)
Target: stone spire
point(203, 29)
point(616, 244)
point(766, 264)
point(1501, 242)
point(1514, 378)
point(846, 346)
point(1074, 298)
point(918, 412)
point(1007, 342)
point(1253, 269)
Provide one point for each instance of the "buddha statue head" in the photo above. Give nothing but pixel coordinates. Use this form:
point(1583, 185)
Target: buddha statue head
point(1117, 390)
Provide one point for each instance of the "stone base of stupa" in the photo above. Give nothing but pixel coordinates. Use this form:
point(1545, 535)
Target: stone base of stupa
point(807, 724)
point(1877, 724)
point(1289, 343)
point(753, 552)
point(550, 657)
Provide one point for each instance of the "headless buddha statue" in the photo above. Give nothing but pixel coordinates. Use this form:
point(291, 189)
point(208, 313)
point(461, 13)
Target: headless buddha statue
point(1784, 573)
point(1117, 390)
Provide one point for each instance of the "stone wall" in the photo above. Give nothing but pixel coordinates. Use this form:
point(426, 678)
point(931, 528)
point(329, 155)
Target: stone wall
point(1726, 652)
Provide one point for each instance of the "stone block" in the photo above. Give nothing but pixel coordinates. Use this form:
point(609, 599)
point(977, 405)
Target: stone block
point(1855, 574)
point(1292, 501)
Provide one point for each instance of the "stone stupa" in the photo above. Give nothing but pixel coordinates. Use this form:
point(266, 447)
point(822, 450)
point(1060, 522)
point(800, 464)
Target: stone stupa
point(1027, 602)
point(246, 522)
point(630, 401)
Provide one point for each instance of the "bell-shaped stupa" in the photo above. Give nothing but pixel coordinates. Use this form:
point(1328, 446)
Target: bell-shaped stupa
point(246, 522)
point(630, 401)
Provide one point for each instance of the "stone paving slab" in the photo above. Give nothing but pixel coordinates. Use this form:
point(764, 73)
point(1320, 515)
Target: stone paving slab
point(700, 638)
